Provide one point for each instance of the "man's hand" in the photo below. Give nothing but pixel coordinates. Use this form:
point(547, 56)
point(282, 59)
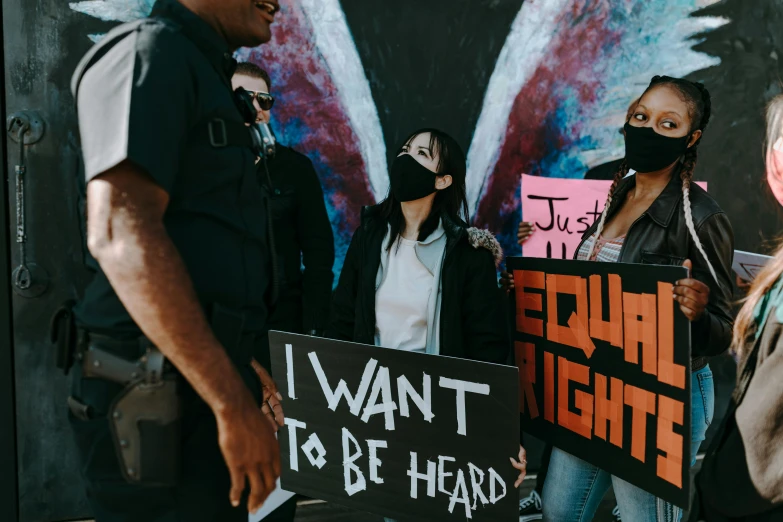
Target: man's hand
point(692, 295)
point(251, 451)
point(270, 404)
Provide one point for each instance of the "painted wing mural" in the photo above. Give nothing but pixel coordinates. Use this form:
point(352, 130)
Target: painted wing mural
point(560, 90)
point(554, 102)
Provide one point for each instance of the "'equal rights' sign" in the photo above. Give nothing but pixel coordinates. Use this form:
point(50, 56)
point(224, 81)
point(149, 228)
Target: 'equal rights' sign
point(400, 434)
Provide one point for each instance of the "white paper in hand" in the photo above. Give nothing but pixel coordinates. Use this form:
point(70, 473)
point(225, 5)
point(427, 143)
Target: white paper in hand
point(273, 501)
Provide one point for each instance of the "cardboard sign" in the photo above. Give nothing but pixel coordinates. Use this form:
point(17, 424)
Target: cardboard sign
point(562, 210)
point(399, 434)
point(748, 265)
point(604, 367)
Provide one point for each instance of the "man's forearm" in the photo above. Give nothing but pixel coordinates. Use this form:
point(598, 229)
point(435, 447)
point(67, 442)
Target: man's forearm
point(151, 280)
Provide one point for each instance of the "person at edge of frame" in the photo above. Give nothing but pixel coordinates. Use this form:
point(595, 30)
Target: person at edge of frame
point(414, 244)
point(177, 237)
point(661, 140)
point(740, 478)
point(530, 508)
point(303, 237)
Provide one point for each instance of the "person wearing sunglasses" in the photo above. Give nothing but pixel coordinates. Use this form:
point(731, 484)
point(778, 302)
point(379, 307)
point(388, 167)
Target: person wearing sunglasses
point(256, 83)
point(302, 234)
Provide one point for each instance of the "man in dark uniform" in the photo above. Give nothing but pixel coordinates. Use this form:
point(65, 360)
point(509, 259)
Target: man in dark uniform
point(177, 228)
point(303, 236)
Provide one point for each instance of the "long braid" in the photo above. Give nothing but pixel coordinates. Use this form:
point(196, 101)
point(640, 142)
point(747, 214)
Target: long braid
point(619, 175)
point(689, 165)
point(686, 174)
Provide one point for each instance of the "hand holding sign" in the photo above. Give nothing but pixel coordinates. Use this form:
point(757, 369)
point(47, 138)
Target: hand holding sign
point(691, 294)
point(400, 434)
point(250, 450)
point(524, 231)
point(521, 465)
point(270, 404)
point(603, 358)
point(506, 281)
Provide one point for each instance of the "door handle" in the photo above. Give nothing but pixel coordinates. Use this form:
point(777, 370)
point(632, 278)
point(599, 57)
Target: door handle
point(25, 128)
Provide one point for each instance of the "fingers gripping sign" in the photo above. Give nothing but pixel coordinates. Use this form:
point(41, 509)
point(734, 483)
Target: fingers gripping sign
point(271, 403)
point(691, 294)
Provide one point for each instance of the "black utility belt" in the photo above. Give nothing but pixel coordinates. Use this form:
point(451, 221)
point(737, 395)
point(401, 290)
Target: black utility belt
point(145, 417)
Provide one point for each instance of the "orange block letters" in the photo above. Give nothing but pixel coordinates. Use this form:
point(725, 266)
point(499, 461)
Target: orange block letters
point(639, 311)
point(669, 466)
point(668, 372)
point(529, 301)
point(643, 404)
point(610, 331)
point(576, 333)
point(568, 371)
point(610, 410)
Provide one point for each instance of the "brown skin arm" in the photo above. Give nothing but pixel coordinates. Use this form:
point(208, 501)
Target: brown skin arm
point(126, 235)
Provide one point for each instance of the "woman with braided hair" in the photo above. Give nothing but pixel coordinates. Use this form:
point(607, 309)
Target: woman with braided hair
point(658, 216)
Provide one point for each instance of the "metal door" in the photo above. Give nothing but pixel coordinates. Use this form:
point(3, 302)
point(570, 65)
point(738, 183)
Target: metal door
point(43, 41)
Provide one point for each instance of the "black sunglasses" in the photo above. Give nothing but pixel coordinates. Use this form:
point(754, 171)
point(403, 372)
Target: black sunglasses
point(264, 99)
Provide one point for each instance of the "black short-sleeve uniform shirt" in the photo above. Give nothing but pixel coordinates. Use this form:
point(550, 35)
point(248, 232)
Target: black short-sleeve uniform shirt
point(145, 94)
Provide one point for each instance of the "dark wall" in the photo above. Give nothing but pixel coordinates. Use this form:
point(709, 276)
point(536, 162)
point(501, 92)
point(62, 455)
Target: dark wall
point(732, 160)
point(429, 63)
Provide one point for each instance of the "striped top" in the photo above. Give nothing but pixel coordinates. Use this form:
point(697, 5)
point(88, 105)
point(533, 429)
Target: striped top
point(606, 251)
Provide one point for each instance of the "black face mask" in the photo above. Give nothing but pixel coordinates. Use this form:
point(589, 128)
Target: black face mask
point(648, 151)
point(410, 180)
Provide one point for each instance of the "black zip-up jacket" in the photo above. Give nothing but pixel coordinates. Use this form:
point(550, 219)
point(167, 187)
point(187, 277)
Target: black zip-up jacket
point(660, 237)
point(303, 236)
point(472, 320)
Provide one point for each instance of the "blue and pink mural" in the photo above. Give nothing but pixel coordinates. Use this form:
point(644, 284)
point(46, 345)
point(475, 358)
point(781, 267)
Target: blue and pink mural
point(551, 101)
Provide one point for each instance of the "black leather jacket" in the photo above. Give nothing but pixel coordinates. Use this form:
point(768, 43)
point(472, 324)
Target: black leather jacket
point(660, 237)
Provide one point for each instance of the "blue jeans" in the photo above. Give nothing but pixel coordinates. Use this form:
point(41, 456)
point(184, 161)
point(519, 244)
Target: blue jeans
point(574, 489)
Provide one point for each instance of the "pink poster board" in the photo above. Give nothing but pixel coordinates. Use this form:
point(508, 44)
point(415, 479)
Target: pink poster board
point(562, 210)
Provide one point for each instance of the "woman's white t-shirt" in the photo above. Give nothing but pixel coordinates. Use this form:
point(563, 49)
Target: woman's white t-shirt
point(401, 302)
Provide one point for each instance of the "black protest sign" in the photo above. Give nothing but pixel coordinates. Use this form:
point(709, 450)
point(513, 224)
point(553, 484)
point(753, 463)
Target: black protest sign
point(403, 435)
point(604, 365)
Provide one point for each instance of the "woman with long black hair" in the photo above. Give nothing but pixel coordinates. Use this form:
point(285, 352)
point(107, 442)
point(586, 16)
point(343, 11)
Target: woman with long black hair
point(416, 277)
